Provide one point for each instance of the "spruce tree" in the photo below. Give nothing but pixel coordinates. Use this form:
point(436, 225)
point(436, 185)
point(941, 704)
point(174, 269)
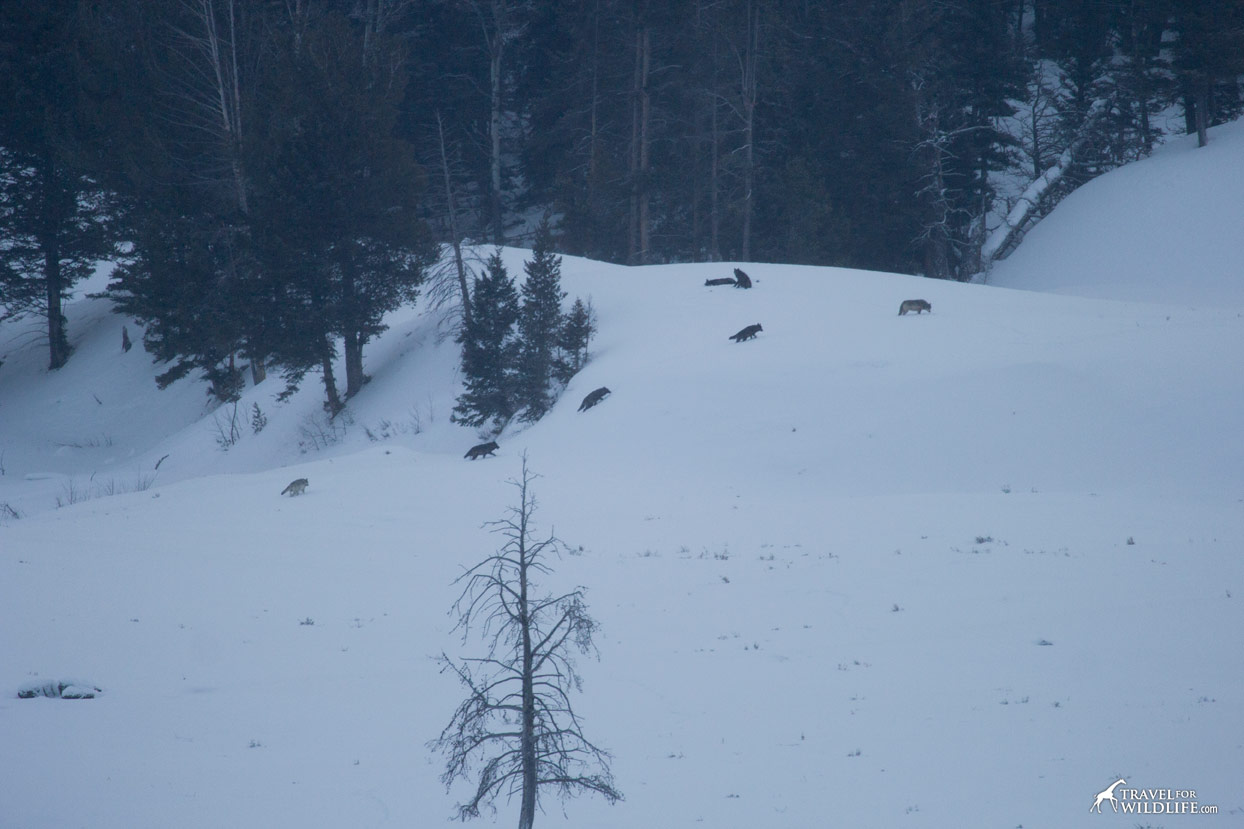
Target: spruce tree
point(577, 330)
point(539, 325)
point(56, 219)
point(489, 350)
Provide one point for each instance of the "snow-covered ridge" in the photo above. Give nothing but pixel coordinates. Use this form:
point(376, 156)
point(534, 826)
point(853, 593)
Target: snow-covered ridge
point(858, 570)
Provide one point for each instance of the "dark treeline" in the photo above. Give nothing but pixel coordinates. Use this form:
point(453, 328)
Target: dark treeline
point(274, 175)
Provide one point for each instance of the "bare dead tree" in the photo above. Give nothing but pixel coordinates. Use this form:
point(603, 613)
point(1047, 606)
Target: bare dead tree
point(517, 731)
point(501, 24)
point(455, 235)
point(639, 229)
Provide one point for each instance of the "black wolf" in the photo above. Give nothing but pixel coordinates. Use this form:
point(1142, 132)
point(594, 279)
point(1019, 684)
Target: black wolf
point(481, 451)
point(741, 280)
point(725, 280)
point(593, 398)
point(916, 305)
point(748, 333)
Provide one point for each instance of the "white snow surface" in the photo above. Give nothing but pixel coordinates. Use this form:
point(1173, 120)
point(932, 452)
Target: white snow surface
point(1167, 229)
point(965, 568)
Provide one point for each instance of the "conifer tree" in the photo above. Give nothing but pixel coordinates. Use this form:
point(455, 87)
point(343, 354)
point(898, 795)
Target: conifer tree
point(489, 350)
point(578, 328)
point(56, 219)
point(539, 324)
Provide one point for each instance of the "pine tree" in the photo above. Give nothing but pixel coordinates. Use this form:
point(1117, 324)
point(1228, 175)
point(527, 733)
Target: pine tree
point(539, 325)
point(56, 219)
point(336, 195)
point(578, 328)
point(489, 350)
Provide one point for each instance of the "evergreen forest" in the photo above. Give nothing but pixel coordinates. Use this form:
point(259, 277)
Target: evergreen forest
point(273, 176)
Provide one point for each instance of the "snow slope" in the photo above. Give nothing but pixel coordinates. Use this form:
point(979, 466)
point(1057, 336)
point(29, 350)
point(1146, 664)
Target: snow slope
point(1165, 229)
point(958, 569)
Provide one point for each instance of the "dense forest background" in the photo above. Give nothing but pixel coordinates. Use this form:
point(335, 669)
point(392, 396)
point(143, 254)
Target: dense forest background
point(275, 175)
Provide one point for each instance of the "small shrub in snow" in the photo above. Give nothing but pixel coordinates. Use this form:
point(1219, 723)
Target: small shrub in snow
point(258, 419)
point(321, 431)
point(72, 493)
point(228, 427)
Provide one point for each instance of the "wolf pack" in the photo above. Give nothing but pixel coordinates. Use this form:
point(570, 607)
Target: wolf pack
point(739, 280)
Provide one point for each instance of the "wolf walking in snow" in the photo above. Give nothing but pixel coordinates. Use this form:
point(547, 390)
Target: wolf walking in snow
point(916, 305)
point(748, 333)
point(296, 487)
point(481, 451)
point(594, 398)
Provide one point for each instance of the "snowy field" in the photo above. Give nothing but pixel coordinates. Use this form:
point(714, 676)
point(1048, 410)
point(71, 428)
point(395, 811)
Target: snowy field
point(965, 568)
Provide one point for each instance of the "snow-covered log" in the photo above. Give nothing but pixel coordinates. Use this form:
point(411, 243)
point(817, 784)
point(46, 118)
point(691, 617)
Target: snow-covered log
point(1002, 236)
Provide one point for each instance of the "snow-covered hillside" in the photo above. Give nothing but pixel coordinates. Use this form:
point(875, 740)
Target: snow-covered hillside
point(1166, 229)
point(965, 568)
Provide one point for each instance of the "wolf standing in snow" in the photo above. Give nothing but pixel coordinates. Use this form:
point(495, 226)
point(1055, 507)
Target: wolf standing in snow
point(916, 305)
point(296, 487)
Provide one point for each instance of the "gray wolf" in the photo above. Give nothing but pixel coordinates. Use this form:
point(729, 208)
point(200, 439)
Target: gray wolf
point(594, 398)
point(747, 333)
point(296, 487)
point(481, 451)
point(916, 305)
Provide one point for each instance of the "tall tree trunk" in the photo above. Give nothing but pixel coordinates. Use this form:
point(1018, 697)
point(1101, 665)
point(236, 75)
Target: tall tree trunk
point(353, 338)
point(353, 348)
point(1202, 113)
point(496, 54)
point(259, 370)
point(455, 238)
point(53, 279)
point(714, 176)
point(333, 400)
point(527, 742)
point(640, 117)
point(58, 339)
point(750, 62)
